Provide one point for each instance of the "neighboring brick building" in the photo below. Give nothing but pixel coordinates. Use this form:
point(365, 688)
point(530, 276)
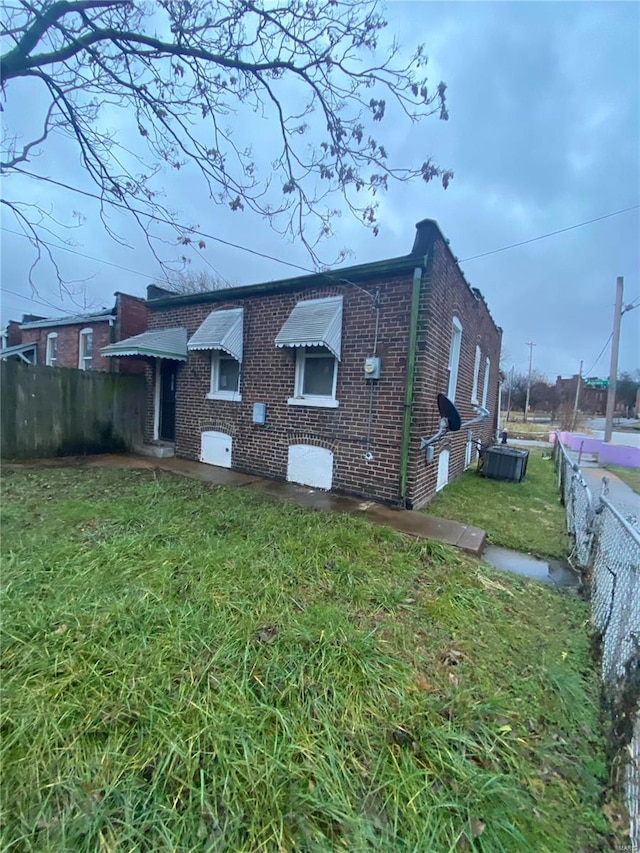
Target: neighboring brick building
point(593, 394)
point(274, 378)
point(76, 341)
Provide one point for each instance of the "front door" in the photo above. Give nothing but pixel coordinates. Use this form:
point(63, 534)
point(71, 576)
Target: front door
point(168, 370)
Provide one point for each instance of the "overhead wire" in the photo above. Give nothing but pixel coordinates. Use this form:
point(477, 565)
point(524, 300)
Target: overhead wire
point(587, 372)
point(231, 244)
point(76, 252)
point(37, 301)
point(551, 233)
point(239, 246)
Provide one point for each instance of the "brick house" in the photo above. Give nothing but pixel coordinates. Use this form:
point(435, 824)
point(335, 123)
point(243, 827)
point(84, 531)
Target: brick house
point(330, 379)
point(76, 341)
point(593, 394)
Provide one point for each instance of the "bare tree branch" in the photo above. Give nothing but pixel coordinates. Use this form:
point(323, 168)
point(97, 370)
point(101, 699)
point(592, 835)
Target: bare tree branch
point(186, 75)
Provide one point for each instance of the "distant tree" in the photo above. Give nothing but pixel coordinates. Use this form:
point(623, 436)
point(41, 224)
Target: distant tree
point(177, 73)
point(194, 281)
point(541, 391)
point(627, 388)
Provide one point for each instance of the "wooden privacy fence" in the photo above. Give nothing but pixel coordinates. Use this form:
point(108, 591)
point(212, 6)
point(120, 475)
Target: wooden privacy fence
point(56, 411)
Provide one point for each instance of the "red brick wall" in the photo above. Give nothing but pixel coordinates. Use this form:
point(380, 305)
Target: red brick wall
point(68, 343)
point(14, 335)
point(446, 294)
point(268, 376)
point(131, 319)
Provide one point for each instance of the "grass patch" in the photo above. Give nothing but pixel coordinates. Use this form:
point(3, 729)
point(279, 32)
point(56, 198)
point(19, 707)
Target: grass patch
point(526, 516)
point(203, 669)
point(531, 429)
point(630, 476)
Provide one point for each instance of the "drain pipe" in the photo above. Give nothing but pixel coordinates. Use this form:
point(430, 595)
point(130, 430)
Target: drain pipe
point(410, 381)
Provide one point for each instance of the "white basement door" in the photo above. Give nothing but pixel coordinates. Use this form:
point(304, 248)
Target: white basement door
point(310, 466)
point(443, 470)
point(215, 448)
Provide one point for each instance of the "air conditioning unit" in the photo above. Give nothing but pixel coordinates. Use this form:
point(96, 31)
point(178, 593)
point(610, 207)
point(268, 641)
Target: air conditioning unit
point(505, 463)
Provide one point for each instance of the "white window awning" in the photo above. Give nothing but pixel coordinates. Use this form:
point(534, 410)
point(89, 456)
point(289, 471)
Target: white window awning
point(314, 323)
point(159, 343)
point(221, 330)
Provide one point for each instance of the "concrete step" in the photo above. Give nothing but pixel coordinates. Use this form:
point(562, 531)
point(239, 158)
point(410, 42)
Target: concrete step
point(159, 450)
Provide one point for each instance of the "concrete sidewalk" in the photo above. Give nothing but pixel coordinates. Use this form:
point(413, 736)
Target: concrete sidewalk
point(622, 496)
point(419, 524)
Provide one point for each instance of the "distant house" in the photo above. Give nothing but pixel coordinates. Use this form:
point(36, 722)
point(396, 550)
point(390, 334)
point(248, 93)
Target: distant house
point(593, 394)
point(328, 380)
point(75, 341)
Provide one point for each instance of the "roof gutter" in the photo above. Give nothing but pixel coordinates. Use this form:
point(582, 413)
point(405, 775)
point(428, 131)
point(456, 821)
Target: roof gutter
point(410, 381)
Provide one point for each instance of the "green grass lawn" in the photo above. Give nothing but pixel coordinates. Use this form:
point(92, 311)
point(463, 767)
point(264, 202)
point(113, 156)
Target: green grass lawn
point(188, 668)
point(531, 429)
point(630, 476)
point(526, 516)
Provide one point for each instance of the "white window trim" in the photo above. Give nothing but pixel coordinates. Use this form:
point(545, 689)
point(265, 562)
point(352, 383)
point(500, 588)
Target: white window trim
point(84, 333)
point(300, 399)
point(454, 358)
point(476, 377)
point(51, 362)
point(487, 374)
point(214, 393)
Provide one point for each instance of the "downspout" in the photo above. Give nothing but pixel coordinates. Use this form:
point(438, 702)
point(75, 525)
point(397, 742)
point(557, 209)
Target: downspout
point(410, 382)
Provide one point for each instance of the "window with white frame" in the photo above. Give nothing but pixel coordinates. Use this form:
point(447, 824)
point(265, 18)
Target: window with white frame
point(485, 390)
point(85, 357)
point(454, 358)
point(316, 377)
point(52, 349)
point(476, 377)
point(225, 377)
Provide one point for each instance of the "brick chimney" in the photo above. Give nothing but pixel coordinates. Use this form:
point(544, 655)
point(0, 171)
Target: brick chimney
point(426, 231)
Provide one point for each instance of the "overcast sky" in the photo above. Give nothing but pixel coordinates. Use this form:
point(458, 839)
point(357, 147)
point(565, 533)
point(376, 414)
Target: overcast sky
point(544, 133)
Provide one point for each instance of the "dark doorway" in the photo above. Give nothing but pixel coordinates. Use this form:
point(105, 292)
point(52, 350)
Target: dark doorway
point(168, 371)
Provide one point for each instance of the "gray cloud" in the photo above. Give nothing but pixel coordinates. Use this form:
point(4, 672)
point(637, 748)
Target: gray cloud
point(544, 133)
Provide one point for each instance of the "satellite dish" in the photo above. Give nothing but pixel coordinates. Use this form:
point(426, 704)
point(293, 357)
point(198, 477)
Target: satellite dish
point(449, 412)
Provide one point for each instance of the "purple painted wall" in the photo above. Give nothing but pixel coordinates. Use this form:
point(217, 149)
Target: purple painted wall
point(608, 454)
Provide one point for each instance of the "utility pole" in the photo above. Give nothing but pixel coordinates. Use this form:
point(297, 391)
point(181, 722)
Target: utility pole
point(575, 405)
point(531, 345)
point(613, 369)
point(509, 397)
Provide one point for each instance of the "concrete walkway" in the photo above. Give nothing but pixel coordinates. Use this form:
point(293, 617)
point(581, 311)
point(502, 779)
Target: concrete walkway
point(419, 524)
point(622, 496)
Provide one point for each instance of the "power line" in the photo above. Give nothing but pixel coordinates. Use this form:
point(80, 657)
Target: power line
point(600, 356)
point(255, 252)
point(164, 220)
point(37, 301)
point(75, 252)
point(551, 233)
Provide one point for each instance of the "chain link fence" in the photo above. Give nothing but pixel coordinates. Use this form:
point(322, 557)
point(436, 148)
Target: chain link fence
point(606, 547)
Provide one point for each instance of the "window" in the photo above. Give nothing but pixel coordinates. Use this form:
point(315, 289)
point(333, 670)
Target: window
point(225, 377)
point(454, 359)
point(476, 377)
point(485, 390)
point(52, 349)
point(316, 377)
point(85, 359)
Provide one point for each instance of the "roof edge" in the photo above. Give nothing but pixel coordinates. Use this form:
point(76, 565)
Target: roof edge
point(347, 276)
point(76, 320)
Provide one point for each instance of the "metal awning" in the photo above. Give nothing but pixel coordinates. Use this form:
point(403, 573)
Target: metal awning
point(221, 330)
point(314, 323)
point(159, 343)
point(21, 352)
